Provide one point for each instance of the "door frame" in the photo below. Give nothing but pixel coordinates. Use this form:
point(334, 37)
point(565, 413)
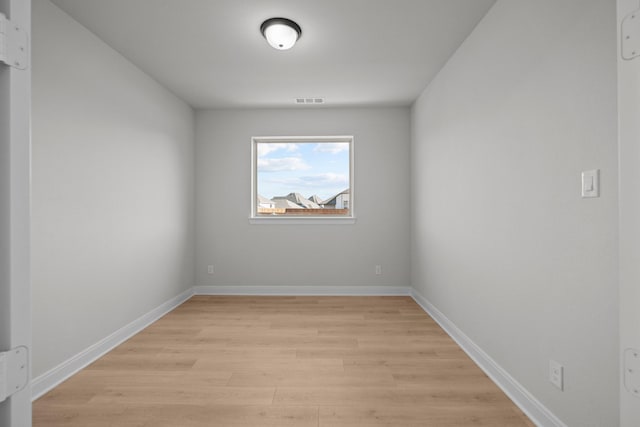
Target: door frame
point(629, 210)
point(15, 213)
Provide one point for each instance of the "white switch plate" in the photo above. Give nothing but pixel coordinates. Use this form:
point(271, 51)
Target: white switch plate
point(556, 374)
point(591, 183)
point(210, 269)
point(378, 270)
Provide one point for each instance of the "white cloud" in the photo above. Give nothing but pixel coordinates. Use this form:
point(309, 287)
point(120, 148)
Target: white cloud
point(325, 179)
point(331, 147)
point(282, 164)
point(265, 148)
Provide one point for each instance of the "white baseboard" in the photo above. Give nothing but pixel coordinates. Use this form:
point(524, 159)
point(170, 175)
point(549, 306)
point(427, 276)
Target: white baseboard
point(304, 290)
point(45, 382)
point(535, 410)
point(50, 379)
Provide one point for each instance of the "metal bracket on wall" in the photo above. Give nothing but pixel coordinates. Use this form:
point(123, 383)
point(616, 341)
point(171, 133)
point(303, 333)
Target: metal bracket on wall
point(632, 371)
point(13, 44)
point(14, 372)
point(630, 33)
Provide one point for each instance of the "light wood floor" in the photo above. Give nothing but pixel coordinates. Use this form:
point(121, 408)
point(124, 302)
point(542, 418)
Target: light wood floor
point(283, 361)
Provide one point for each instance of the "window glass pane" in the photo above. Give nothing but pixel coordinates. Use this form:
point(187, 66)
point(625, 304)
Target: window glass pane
point(302, 178)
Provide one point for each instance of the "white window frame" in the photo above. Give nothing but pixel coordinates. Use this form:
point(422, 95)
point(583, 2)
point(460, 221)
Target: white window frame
point(290, 219)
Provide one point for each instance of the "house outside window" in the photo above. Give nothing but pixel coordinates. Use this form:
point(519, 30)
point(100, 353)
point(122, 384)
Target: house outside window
point(302, 178)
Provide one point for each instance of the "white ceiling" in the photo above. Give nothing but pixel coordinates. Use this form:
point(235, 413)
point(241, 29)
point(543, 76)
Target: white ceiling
point(352, 52)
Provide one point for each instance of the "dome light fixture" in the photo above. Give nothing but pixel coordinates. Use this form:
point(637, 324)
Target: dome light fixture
point(281, 33)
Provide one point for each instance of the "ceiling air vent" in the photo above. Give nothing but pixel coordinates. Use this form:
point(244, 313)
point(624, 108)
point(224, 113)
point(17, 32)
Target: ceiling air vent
point(309, 101)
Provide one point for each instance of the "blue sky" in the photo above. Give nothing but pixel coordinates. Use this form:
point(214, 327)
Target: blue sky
point(307, 168)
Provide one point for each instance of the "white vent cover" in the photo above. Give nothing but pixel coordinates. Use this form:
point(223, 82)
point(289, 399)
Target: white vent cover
point(309, 101)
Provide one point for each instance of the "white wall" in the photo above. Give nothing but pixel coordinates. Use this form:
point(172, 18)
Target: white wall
point(502, 243)
point(298, 255)
point(113, 190)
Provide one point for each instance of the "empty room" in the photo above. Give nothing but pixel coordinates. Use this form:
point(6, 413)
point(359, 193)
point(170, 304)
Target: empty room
point(320, 213)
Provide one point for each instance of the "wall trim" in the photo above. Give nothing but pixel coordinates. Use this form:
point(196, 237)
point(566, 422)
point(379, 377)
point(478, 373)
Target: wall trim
point(534, 409)
point(55, 376)
point(50, 379)
point(304, 290)
point(531, 406)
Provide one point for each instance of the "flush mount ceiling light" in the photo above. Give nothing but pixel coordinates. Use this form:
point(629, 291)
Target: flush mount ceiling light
point(281, 33)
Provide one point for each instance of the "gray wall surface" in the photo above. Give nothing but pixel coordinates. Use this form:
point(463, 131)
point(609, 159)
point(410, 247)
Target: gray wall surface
point(113, 190)
point(502, 242)
point(297, 254)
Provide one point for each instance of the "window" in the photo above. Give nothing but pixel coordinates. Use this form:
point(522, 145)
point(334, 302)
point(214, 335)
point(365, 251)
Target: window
point(302, 178)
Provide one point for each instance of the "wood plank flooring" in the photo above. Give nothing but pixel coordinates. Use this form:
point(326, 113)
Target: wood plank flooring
point(283, 361)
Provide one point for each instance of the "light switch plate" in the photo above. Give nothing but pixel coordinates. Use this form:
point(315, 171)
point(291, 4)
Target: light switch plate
point(591, 183)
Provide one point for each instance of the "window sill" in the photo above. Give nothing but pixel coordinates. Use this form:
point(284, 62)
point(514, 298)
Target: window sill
point(303, 220)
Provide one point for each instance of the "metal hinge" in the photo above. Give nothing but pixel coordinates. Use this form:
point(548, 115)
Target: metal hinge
point(630, 33)
point(14, 372)
point(14, 44)
point(632, 371)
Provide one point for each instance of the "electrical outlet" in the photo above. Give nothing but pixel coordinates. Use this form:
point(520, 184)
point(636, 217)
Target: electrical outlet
point(210, 269)
point(378, 270)
point(556, 374)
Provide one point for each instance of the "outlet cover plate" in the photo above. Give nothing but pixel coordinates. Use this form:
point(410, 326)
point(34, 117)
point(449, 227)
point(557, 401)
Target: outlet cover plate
point(556, 374)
